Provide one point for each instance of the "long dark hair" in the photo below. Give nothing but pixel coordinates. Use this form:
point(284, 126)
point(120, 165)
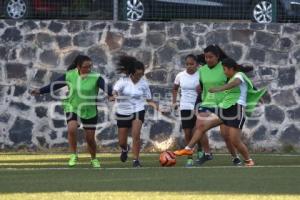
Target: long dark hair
point(78, 61)
point(231, 63)
point(128, 65)
point(217, 51)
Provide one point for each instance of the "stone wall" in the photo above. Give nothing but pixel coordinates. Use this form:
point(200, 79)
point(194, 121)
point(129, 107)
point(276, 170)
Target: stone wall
point(32, 53)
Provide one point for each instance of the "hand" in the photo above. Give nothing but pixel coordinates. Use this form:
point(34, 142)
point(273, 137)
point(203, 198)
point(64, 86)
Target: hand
point(198, 89)
point(35, 92)
point(111, 98)
point(175, 106)
point(213, 90)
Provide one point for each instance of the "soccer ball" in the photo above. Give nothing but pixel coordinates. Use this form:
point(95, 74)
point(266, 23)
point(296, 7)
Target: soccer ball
point(167, 159)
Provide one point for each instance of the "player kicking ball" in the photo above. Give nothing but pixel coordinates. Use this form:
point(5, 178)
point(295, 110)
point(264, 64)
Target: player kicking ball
point(239, 101)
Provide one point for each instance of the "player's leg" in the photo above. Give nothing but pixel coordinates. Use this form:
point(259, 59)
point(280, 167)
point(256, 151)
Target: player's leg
point(203, 125)
point(89, 126)
point(124, 124)
point(188, 136)
point(92, 146)
point(72, 126)
point(188, 120)
point(136, 141)
point(225, 134)
point(235, 137)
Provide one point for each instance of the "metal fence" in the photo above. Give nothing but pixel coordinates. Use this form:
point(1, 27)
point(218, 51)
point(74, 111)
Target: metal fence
point(262, 11)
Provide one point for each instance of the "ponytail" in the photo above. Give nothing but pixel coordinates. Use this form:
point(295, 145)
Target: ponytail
point(230, 63)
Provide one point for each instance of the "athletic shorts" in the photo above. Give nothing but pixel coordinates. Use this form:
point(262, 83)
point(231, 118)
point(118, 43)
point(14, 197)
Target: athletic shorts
point(233, 116)
point(125, 121)
point(86, 123)
point(188, 118)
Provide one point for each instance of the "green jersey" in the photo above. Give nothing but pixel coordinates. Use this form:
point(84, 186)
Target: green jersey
point(82, 95)
point(232, 95)
point(211, 78)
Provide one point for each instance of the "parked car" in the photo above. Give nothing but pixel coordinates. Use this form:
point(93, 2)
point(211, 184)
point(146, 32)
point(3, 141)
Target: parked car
point(260, 11)
point(19, 9)
point(257, 10)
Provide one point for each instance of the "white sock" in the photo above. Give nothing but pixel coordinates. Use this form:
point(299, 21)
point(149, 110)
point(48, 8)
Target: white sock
point(188, 148)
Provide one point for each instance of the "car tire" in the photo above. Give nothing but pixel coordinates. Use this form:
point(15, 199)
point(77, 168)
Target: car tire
point(261, 11)
point(132, 10)
point(17, 9)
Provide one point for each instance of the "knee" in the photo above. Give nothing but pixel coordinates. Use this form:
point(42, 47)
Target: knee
point(136, 138)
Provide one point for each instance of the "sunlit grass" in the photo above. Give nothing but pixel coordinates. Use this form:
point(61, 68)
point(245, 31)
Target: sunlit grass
point(46, 176)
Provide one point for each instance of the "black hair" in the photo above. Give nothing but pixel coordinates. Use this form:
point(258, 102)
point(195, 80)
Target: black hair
point(78, 61)
point(192, 56)
point(128, 65)
point(217, 51)
point(231, 63)
point(201, 59)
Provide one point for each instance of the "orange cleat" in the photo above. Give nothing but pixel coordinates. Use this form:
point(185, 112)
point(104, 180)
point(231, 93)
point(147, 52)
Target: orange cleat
point(184, 152)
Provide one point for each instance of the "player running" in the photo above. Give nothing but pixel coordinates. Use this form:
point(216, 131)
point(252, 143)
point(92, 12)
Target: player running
point(80, 104)
point(131, 92)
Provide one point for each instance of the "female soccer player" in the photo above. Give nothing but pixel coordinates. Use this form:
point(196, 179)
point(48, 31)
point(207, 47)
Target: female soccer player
point(187, 81)
point(212, 75)
point(131, 92)
point(240, 99)
point(80, 105)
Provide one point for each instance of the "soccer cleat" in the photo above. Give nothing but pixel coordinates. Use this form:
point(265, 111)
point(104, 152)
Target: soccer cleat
point(136, 164)
point(189, 163)
point(249, 163)
point(200, 154)
point(237, 161)
point(184, 152)
point(124, 154)
point(204, 158)
point(95, 163)
point(73, 160)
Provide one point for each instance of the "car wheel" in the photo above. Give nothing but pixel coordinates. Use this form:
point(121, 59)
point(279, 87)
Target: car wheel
point(16, 9)
point(262, 11)
point(135, 10)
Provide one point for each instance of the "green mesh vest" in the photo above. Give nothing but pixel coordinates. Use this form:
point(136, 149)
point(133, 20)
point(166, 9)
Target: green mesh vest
point(82, 94)
point(211, 78)
point(232, 96)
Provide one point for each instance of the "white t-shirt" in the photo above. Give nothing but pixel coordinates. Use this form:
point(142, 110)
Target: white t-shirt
point(188, 83)
point(243, 87)
point(131, 96)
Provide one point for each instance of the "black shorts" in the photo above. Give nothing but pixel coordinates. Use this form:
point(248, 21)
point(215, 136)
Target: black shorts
point(125, 121)
point(188, 118)
point(233, 116)
point(86, 123)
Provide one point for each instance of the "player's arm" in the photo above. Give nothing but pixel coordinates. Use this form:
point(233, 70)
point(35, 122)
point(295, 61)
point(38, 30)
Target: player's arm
point(53, 86)
point(174, 96)
point(106, 88)
point(236, 82)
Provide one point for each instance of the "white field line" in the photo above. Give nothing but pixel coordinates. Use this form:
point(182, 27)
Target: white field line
point(146, 168)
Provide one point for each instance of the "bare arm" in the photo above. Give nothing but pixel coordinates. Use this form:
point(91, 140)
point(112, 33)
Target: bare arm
point(153, 104)
point(174, 96)
point(236, 82)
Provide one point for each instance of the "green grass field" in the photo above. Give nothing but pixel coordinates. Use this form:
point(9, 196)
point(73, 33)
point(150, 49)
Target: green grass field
point(46, 176)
